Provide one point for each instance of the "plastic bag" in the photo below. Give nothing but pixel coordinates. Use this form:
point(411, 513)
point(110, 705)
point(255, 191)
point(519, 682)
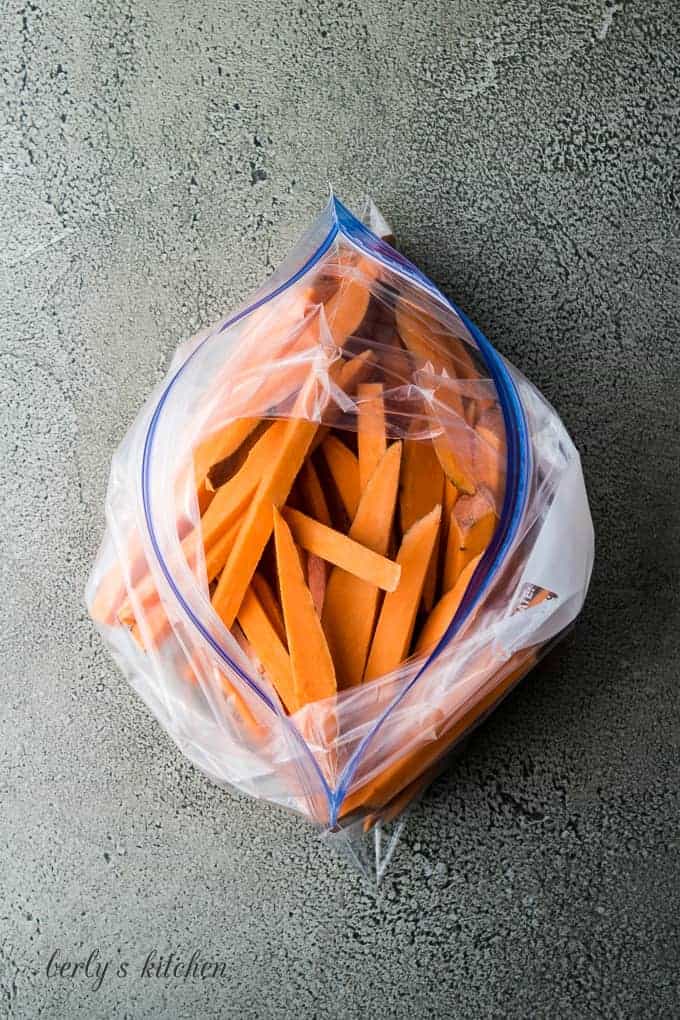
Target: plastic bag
point(345, 322)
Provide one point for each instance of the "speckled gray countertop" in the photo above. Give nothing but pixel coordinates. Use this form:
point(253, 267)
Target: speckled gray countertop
point(158, 158)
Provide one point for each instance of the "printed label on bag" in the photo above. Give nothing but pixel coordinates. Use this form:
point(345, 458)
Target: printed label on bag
point(533, 595)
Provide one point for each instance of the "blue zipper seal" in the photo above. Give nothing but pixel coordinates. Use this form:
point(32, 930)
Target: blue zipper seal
point(516, 491)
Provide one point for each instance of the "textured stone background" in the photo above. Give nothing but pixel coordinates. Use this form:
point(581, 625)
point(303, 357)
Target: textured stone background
point(157, 159)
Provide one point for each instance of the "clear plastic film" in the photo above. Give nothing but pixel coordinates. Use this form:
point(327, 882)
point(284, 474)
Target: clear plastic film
point(347, 365)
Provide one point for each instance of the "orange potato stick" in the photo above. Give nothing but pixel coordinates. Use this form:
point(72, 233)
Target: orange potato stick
point(453, 465)
point(439, 619)
point(423, 335)
point(480, 534)
point(109, 597)
point(232, 497)
point(489, 454)
point(218, 553)
point(344, 469)
point(313, 672)
point(347, 306)
point(421, 484)
point(258, 522)
point(471, 527)
point(490, 425)
point(394, 629)
point(422, 488)
point(112, 588)
point(351, 605)
point(221, 444)
point(342, 551)
point(477, 521)
point(450, 356)
point(353, 370)
point(268, 647)
point(450, 497)
point(454, 560)
point(193, 669)
point(427, 339)
point(372, 438)
point(346, 375)
point(270, 603)
point(313, 494)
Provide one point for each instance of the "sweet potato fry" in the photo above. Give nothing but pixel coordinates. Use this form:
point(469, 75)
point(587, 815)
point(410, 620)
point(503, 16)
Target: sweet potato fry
point(258, 522)
point(471, 526)
point(232, 498)
point(268, 647)
point(344, 469)
point(439, 619)
point(489, 455)
point(452, 360)
point(394, 630)
point(421, 489)
point(146, 592)
point(346, 308)
point(454, 559)
point(456, 467)
point(372, 437)
point(342, 551)
point(313, 494)
point(313, 672)
point(216, 447)
point(351, 605)
point(269, 603)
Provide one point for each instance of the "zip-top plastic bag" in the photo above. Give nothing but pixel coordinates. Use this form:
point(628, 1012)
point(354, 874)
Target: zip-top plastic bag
point(338, 533)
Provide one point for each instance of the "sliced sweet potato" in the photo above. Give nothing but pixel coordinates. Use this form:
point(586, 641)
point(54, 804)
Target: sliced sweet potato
point(257, 525)
point(454, 559)
point(455, 467)
point(439, 619)
point(342, 551)
point(216, 447)
point(146, 592)
point(154, 630)
point(421, 489)
point(471, 527)
point(346, 307)
point(450, 497)
point(451, 358)
point(344, 469)
point(350, 606)
point(372, 437)
point(269, 603)
point(313, 494)
point(216, 556)
point(346, 375)
point(489, 455)
point(394, 630)
point(232, 498)
point(268, 647)
point(313, 672)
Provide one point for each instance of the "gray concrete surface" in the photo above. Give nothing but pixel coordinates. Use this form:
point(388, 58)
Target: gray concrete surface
point(157, 159)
